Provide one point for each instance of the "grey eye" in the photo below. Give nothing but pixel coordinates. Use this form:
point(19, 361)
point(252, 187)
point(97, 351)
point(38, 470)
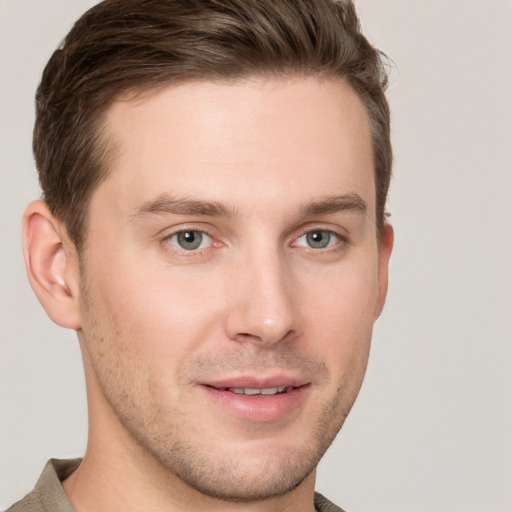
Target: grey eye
point(318, 239)
point(189, 240)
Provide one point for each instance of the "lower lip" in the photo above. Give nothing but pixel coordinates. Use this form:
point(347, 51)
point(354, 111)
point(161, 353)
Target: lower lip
point(259, 408)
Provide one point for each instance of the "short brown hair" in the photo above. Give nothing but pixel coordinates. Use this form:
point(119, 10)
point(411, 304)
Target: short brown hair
point(135, 45)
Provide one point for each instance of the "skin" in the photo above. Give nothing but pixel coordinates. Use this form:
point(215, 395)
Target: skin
point(159, 324)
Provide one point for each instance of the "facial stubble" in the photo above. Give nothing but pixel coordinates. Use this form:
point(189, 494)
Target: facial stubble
point(170, 439)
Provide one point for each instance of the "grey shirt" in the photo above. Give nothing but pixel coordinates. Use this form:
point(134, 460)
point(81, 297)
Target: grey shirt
point(49, 496)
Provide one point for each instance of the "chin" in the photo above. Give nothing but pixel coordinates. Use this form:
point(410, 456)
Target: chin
point(250, 470)
point(247, 476)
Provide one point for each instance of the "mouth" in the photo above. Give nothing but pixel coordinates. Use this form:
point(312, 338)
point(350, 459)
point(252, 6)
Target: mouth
point(278, 390)
point(257, 400)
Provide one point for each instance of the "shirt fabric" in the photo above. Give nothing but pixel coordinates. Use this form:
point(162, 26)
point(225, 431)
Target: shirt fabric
point(49, 496)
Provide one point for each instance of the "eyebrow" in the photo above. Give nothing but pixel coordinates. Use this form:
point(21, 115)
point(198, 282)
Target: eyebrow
point(334, 204)
point(167, 205)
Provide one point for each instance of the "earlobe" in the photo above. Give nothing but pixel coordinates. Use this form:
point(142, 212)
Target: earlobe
point(52, 265)
point(385, 248)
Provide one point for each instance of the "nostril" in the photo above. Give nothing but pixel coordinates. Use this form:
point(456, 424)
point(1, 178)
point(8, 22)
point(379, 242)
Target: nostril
point(265, 338)
point(245, 336)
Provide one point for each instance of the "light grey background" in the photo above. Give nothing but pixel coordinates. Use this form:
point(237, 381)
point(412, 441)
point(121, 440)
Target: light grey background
point(432, 428)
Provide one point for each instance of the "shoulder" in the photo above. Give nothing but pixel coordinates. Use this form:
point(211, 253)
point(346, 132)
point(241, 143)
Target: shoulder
point(48, 494)
point(322, 504)
point(30, 503)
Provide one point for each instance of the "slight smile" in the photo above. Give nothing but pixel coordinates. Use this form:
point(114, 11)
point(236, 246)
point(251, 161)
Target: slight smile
point(258, 400)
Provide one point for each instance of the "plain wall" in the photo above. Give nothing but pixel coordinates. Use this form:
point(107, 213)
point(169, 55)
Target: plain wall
point(432, 428)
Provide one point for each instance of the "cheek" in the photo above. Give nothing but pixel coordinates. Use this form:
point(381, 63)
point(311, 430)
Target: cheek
point(154, 317)
point(339, 315)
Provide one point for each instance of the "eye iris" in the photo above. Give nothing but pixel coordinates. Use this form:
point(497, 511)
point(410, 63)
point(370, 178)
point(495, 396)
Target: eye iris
point(318, 239)
point(189, 240)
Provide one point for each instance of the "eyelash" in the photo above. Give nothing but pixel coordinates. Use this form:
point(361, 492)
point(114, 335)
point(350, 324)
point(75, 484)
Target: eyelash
point(167, 240)
point(338, 246)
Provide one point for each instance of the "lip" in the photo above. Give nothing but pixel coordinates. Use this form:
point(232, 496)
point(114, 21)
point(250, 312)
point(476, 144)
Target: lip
point(254, 382)
point(258, 408)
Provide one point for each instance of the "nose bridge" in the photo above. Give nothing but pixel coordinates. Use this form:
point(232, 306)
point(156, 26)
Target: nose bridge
point(262, 308)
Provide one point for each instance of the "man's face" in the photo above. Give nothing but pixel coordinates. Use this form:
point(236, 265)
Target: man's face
point(231, 279)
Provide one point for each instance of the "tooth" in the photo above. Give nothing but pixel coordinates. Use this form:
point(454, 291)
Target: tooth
point(250, 391)
point(264, 391)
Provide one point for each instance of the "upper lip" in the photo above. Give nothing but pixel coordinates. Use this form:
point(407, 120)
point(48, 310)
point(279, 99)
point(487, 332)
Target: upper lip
point(253, 382)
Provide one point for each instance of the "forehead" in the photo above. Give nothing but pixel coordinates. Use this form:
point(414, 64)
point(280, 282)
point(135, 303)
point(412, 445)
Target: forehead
point(254, 138)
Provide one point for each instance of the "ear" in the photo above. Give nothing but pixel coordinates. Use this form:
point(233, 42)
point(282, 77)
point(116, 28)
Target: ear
point(385, 248)
point(52, 266)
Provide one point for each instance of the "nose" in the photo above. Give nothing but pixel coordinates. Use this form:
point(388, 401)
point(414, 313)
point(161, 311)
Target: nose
point(261, 303)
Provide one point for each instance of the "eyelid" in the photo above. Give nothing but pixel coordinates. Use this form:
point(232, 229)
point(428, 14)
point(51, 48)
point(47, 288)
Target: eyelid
point(331, 233)
point(204, 235)
point(166, 235)
point(339, 231)
point(331, 244)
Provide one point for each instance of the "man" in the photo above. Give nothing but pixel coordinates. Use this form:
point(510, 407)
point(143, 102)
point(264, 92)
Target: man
point(214, 179)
